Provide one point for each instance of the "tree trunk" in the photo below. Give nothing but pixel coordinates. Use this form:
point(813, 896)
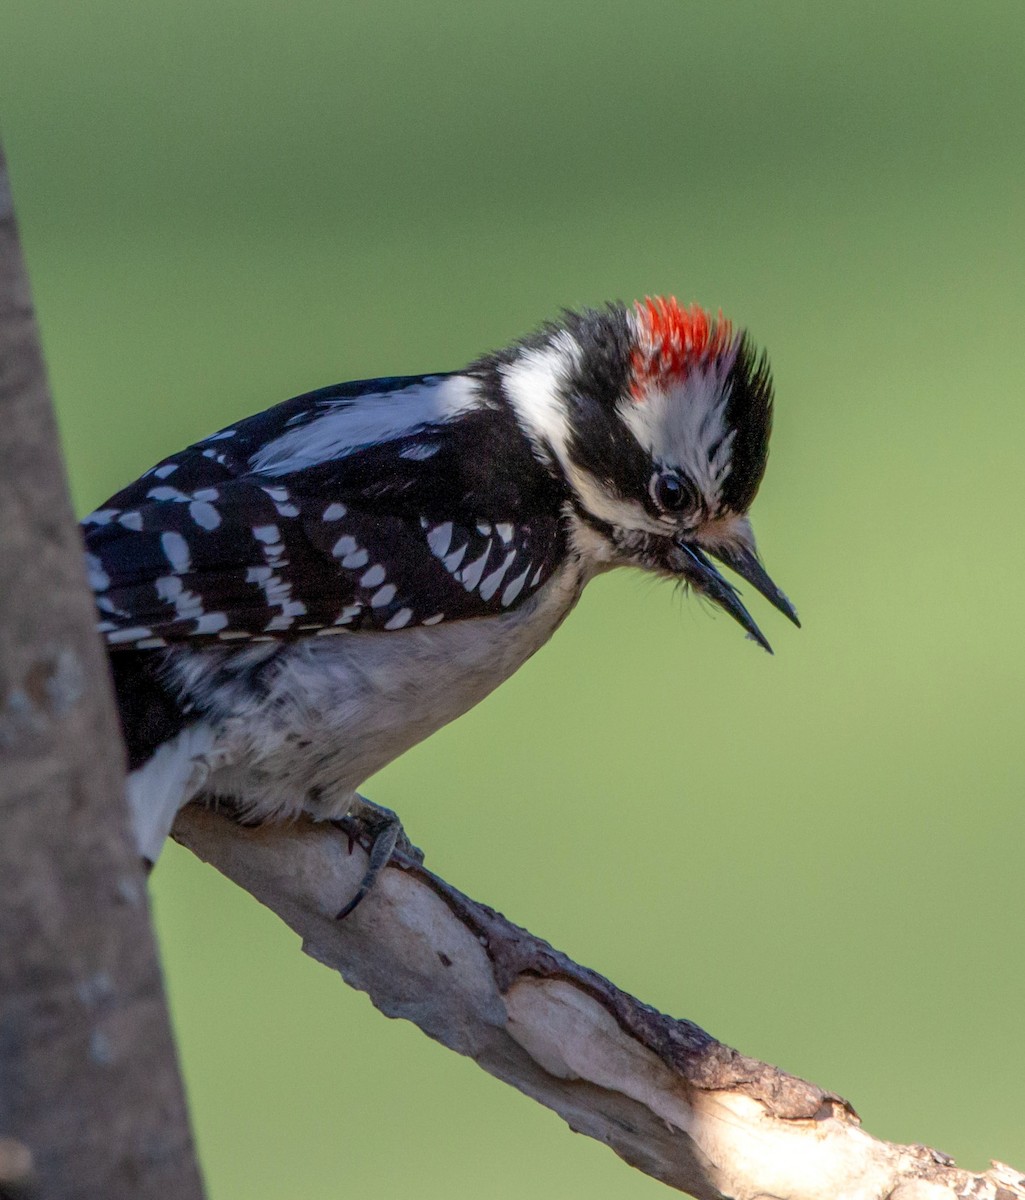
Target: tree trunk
point(91, 1103)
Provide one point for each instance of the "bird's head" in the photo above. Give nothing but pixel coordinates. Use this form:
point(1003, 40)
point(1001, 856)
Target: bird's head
point(658, 420)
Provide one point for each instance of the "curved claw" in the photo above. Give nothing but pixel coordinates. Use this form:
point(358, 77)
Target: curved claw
point(380, 831)
point(381, 849)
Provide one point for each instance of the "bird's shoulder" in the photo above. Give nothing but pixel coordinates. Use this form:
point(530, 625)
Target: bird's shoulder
point(379, 504)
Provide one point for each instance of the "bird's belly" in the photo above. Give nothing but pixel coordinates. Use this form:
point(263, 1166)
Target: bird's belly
point(340, 708)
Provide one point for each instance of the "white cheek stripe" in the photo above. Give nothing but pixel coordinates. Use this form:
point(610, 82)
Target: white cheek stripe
point(600, 502)
point(348, 425)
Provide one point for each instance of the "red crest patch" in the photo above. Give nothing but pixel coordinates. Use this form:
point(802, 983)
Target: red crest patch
point(672, 340)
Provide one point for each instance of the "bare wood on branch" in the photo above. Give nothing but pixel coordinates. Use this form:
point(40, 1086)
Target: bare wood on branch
point(666, 1096)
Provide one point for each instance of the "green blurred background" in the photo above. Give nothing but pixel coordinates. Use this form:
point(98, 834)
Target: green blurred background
point(817, 856)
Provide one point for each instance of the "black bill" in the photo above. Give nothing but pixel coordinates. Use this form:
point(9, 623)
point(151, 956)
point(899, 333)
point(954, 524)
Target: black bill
point(745, 563)
point(700, 571)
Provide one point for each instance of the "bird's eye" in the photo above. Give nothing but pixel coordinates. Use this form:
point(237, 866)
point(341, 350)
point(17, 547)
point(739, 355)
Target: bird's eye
point(671, 493)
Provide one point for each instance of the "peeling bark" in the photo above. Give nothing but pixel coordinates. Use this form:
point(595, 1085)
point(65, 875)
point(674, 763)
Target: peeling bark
point(666, 1096)
point(90, 1099)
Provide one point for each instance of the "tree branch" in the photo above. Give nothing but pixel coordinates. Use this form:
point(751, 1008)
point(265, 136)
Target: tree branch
point(666, 1096)
point(90, 1099)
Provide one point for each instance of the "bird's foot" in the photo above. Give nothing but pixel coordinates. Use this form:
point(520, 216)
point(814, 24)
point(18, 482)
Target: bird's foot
point(380, 832)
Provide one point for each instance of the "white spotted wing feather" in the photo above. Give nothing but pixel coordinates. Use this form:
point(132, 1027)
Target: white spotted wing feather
point(199, 553)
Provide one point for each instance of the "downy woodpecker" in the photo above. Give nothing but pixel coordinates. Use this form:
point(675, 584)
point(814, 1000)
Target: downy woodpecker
point(294, 601)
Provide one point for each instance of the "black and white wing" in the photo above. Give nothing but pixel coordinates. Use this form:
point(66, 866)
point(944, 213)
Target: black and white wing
point(378, 505)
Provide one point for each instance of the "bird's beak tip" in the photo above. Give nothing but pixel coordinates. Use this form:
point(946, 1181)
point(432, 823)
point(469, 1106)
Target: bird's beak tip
point(707, 579)
point(788, 610)
point(747, 565)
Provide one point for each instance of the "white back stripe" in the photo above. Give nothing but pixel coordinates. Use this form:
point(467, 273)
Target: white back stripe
point(533, 384)
point(348, 425)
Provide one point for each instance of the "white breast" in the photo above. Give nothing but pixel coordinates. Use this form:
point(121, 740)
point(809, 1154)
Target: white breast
point(339, 708)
